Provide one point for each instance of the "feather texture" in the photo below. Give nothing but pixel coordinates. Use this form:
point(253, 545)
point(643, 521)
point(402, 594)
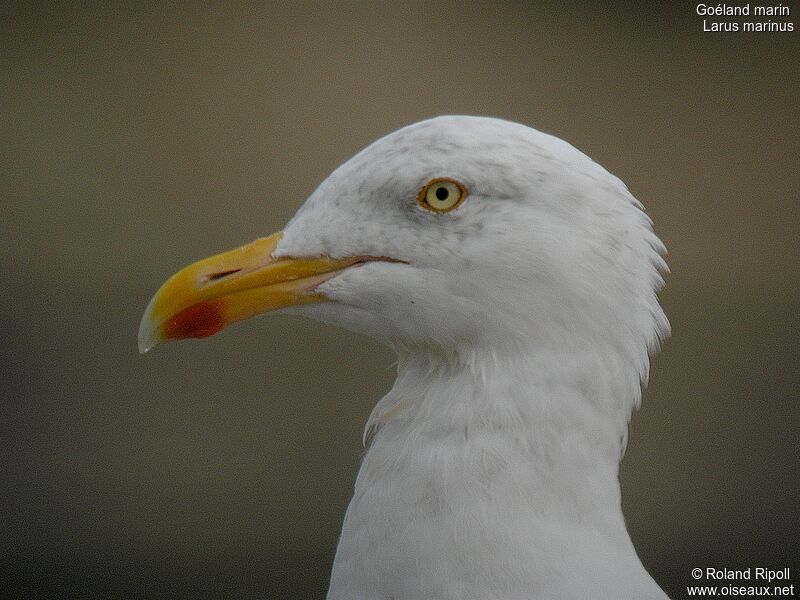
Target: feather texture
point(523, 323)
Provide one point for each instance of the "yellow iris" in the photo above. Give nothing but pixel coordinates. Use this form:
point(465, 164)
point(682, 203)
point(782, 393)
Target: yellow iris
point(441, 194)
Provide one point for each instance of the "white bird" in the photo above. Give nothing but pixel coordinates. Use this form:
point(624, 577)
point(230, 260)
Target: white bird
point(516, 279)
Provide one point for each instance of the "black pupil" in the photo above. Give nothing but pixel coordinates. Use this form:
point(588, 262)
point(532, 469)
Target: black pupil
point(442, 193)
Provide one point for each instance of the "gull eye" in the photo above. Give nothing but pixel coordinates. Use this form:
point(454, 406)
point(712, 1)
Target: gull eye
point(441, 194)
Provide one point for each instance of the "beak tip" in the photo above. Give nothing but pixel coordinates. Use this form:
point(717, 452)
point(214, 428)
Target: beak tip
point(148, 334)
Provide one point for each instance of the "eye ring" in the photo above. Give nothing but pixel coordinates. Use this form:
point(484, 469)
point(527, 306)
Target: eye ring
point(442, 195)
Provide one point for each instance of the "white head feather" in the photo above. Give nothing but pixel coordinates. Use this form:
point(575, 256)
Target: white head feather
point(523, 320)
point(548, 251)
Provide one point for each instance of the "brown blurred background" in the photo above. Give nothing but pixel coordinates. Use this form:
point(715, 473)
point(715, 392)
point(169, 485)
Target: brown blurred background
point(137, 139)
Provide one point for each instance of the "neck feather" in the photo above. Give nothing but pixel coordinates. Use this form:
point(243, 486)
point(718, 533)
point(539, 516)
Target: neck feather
point(537, 431)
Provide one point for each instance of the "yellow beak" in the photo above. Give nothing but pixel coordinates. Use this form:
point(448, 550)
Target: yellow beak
point(210, 294)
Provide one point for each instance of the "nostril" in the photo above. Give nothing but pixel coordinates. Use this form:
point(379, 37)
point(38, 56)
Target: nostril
point(221, 274)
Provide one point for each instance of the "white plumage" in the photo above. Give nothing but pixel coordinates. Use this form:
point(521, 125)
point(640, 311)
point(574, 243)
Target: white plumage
point(522, 321)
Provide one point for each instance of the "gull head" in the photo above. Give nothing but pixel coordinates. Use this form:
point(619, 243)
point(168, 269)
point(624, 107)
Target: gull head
point(457, 234)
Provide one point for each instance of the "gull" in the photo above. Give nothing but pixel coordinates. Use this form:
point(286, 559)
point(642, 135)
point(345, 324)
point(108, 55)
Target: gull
point(517, 282)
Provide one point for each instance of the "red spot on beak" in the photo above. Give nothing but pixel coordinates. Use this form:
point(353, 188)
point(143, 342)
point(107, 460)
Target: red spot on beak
point(197, 321)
